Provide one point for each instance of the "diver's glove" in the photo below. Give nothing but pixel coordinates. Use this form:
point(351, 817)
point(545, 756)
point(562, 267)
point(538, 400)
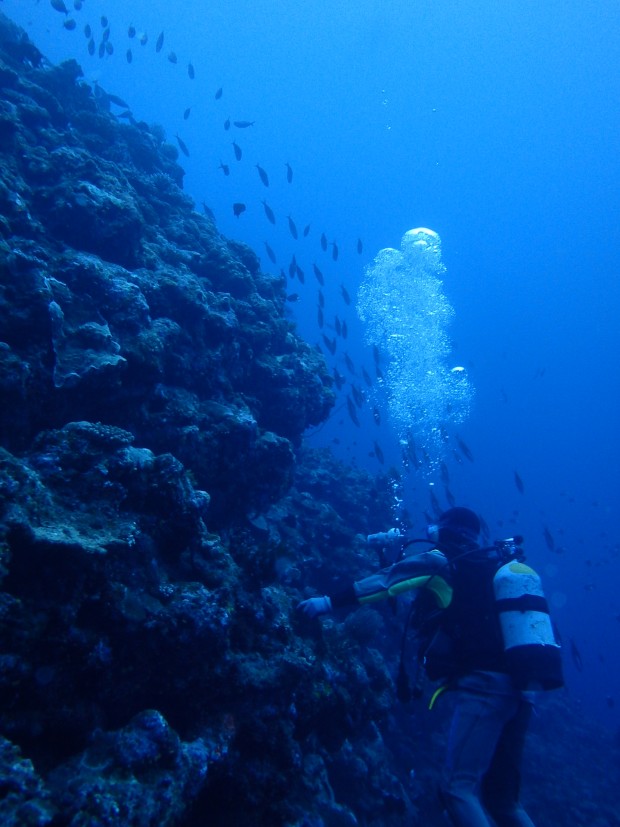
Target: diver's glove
point(315, 606)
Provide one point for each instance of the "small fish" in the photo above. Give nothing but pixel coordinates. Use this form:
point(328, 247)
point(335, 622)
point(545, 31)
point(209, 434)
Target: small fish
point(182, 146)
point(337, 326)
point(131, 31)
point(268, 212)
point(379, 452)
point(129, 55)
point(289, 173)
point(238, 208)
point(549, 539)
point(330, 344)
point(345, 294)
point(349, 364)
point(358, 396)
point(334, 251)
point(243, 124)
point(292, 268)
point(378, 373)
point(320, 319)
point(292, 228)
point(191, 71)
point(339, 379)
point(187, 113)
point(225, 168)
point(106, 35)
point(519, 483)
point(450, 497)
point(366, 377)
point(323, 242)
point(237, 150)
point(293, 297)
point(109, 47)
point(360, 246)
point(58, 5)
point(464, 449)
point(306, 230)
point(227, 124)
point(91, 47)
point(321, 299)
point(77, 5)
point(219, 93)
point(88, 32)
point(375, 354)
point(262, 175)
point(172, 57)
point(345, 329)
point(576, 656)
point(116, 100)
point(352, 411)
point(143, 38)
point(69, 24)
point(318, 275)
point(270, 253)
point(160, 42)
point(104, 22)
point(300, 274)
point(101, 49)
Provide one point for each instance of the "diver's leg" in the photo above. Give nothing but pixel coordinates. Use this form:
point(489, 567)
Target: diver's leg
point(483, 705)
point(501, 784)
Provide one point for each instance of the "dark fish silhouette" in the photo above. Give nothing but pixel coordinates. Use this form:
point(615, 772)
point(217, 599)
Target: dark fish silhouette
point(58, 5)
point(360, 246)
point(77, 5)
point(109, 48)
point(345, 329)
point(292, 268)
point(339, 379)
point(131, 31)
point(106, 35)
point(549, 539)
point(306, 230)
point(450, 497)
point(219, 93)
point(160, 42)
point(143, 39)
point(227, 124)
point(366, 377)
point(292, 297)
point(318, 274)
point(269, 212)
point(375, 354)
point(91, 47)
point(270, 253)
point(225, 168)
point(292, 228)
point(88, 32)
point(323, 242)
point(358, 396)
point(321, 299)
point(576, 656)
point(352, 411)
point(104, 22)
point(464, 449)
point(519, 483)
point(182, 145)
point(300, 274)
point(379, 452)
point(337, 326)
point(349, 364)
point(129, 56)
point(187, 113)
point(243, 124)
point(289, 173)
point(262, 175)
point(172, 57)
point(330, 344)
point(190, 71)
point(238, 208)
point(378, 372)
point(334, 251)
point(69, 24)
point(237, 149)
point(101, 49)
point(345, 294)
point(320, 316)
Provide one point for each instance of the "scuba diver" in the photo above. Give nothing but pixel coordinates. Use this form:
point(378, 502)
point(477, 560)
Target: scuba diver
point(487, 636)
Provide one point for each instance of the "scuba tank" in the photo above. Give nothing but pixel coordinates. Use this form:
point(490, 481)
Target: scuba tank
point(532, 652)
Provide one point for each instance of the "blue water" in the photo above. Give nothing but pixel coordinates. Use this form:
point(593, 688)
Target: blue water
point(494, 124)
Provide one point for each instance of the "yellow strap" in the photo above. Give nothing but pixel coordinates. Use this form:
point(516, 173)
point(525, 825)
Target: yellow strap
point(436, 694)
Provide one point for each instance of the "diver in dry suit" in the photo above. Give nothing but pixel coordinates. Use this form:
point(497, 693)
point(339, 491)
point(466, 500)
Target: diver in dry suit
point(492, 643)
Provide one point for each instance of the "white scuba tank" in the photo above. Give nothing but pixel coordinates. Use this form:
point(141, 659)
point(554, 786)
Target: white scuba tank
point(532, 651)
